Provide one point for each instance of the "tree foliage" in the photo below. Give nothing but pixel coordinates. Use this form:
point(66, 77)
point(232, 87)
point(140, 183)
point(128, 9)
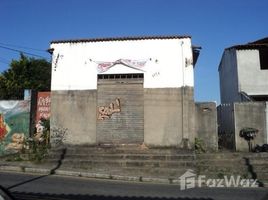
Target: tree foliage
point(25, 73)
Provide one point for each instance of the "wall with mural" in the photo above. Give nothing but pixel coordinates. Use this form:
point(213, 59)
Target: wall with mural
point(14, 125)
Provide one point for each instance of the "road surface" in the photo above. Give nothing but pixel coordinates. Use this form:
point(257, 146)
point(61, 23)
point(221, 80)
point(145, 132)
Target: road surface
point(30, 186)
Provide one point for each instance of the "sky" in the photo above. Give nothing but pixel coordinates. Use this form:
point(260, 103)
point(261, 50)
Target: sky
point(213, 24)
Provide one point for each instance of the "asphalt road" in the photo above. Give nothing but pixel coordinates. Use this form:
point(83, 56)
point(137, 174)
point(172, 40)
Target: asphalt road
point(29, 186)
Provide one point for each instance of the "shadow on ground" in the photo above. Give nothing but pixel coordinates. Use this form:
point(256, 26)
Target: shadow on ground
point(52, 171)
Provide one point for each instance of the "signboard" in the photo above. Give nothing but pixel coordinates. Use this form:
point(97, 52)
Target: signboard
point(43, 106)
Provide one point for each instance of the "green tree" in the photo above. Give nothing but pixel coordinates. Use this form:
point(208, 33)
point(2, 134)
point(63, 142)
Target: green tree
point(25, 73)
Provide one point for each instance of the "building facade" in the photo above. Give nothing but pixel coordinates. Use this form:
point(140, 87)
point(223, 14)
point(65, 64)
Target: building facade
point(134, 90)
point(243, 72)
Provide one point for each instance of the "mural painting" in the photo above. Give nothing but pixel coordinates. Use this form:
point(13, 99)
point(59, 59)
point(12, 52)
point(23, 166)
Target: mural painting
point(14, 125)
point(105, 112)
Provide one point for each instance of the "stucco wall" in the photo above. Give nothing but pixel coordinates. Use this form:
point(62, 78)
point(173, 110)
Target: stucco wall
point(250, 114)
point(75, 111)
point(252, 79)
point(206, 124)
point(166, 121)
point(168, 62)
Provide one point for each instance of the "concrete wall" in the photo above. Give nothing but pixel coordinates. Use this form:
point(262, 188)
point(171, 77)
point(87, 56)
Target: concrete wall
point(76, 112)
point(229, 77)
point(253, 115)
point(168, 116)
point(251, 78)
point(206, 124)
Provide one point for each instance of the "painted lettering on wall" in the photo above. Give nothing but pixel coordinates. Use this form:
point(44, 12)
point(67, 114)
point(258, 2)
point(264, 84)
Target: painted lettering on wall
point(14, 125)
point(155, 74)
point(43, 106)
point(106, 112)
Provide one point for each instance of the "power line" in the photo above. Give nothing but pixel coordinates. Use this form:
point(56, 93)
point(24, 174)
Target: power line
point(22, 47)
point(11, 49)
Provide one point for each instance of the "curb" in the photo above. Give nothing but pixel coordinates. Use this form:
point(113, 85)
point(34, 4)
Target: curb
point(61, 172)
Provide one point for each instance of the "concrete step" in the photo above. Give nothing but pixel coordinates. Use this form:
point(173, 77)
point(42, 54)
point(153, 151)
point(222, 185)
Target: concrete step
point(259, 168)
point(222, 162)
point(232, 155)
point(221, 174)
point(130, 171)
point(101, 156)
point(120, 150)
point(219, 168)
point(262, 175)
point(127, 163)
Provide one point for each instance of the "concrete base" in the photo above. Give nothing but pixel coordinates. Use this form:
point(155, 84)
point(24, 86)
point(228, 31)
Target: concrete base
point(75, 113)
point(168, 117)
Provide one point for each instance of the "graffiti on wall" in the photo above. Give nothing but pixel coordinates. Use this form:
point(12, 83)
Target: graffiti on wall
point(105, 112)
point(14, 125)
point(43, 106)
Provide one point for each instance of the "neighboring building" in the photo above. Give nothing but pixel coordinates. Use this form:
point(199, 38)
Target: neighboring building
point(243, 72)
point(130, 90)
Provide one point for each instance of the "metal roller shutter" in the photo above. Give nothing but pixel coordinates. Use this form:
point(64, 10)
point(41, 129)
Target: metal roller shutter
point(120, 118)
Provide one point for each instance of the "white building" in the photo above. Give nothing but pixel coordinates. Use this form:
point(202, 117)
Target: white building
point(124, 90)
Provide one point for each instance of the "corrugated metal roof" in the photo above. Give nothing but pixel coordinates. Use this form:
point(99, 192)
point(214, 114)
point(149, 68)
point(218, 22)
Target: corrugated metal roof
point(119, 39)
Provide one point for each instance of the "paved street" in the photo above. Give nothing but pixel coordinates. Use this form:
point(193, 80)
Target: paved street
point(28, 186)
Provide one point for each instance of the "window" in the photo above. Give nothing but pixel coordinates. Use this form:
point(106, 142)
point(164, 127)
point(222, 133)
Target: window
point(120, 76)
point(263, 52)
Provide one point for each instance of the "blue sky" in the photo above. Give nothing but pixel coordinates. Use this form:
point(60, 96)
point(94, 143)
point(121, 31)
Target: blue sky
point(213, 25)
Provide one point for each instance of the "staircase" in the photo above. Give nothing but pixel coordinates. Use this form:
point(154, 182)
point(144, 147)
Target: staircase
point(246, 165)
point(157, 163)
point(131, 161)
